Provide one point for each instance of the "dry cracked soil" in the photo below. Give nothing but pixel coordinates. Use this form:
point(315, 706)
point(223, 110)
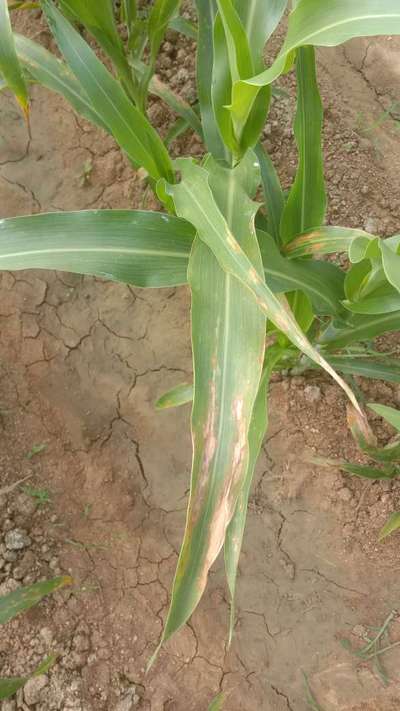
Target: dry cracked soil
point(82, 362)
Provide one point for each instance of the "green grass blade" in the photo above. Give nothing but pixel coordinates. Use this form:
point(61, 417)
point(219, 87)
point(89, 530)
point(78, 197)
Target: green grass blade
point(194, 201)
point(44, 68)
point(204, 70)
point(320, 23)
point(140, 248)
point(306, 204)
point(324, 240)
point(273, 193)
point(391, 525)
point(129, 127)
point(23, 599)
point(10, 67)
point(177, 396)
point(228, 335)
point(235, 531)
point(388, 413)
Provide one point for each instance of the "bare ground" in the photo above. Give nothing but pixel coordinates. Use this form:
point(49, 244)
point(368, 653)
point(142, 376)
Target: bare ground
point(81, 364)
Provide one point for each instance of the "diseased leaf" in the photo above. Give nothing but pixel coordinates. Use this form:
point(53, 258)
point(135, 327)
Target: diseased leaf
point(44, 68)
point(258, 428)
point(391, 525)
point(132, 246)
point(228, 335)
point(194, 201)
point(129, 127)
point(324, 240)
point(24, 598)
point(179, 395)
point(306, 203)
point(10, 67)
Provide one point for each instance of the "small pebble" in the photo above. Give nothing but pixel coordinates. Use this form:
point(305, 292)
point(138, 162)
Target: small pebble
point(17, 539)
point(312, 393)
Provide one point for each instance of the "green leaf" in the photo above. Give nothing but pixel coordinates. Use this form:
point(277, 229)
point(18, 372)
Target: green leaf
point(321, 281)
point(228, 336)
point(218, 702)
point(361, 470)
point(324, 240)
point(360, 328)
point(390, 414)
point(9, 64)
point(391, 264)
point(232, 60)
point(99, 19)
point(205, 61)
point(184, 27)
point(306, 204)
point(177, 104)
point(129, 127)
point(24, 598)
point(382, 300)
point(259, 19)
point(179, 395)
point(273, 193)
point(52, 73)
point(258, 428)
point(194, 201)
point(391, 525)
point(140, 248)
point(160, 16)
point(10, 686)
point(368, 368)
point(320, 23)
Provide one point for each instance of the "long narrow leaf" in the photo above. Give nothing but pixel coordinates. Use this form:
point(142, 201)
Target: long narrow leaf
point(306, 204)
point(235, 531)
point(324, 240)
point(159, 19)
point(320, 23)
point(140, 248)
point(99, 19)
point(228, 335)
point(180, 395)
point(273, 193)
point(390, 414)
point(10, 67)
point(260, 19)
point(44, 68)
point(10, 686)
point(24, 598)
point(129, 127)
point(194, 201)
point(360, 328)
point(205, 61)
point(320, 281)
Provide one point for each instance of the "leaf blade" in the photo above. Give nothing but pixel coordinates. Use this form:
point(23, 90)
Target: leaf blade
point(24, 598)
point(9, 64)
point(132, 246)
